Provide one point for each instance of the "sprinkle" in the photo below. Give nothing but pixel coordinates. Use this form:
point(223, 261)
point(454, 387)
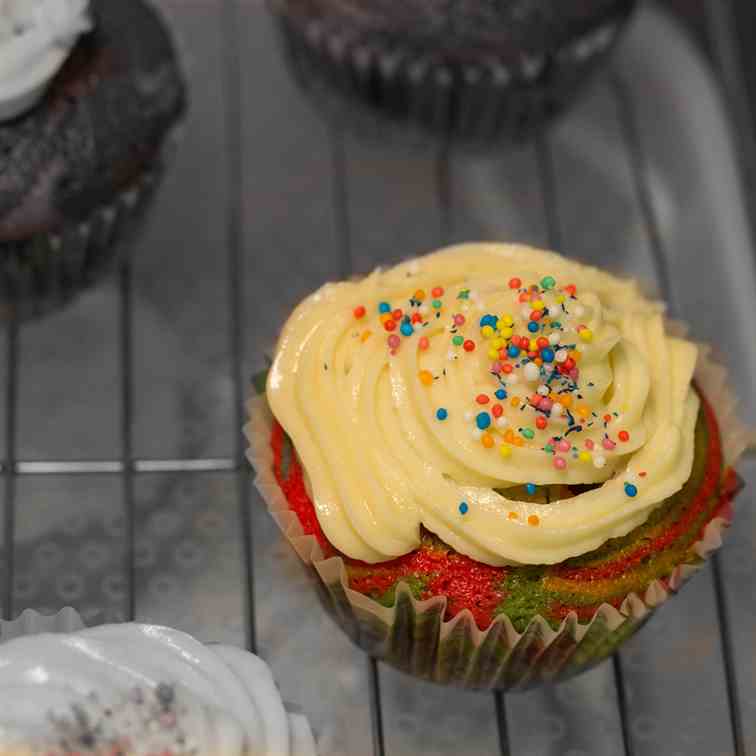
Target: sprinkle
point(515, 401)
point(535, 315)
point(493, 354)
point(524, 297)
point(515, 283)
point(419, 295)
point(608, 444)
point(571, 289)
point(643, 474)
point(386, 316)
point(506, 332)
point(561, 355)
point(599, 461)
point(631, 490)
point(502, 422)
point(436, 304)
point(505, 450)
point(589, 443)
point(512, 379)
point(607, 418)
point(530, 488)
point(469, 346)
point(407, 329)
point(463, 508)
point(423, 344)
point(532, 373)
point(437, 291)
point(623, 435)
point(548, 282)
point(459, 319)
point(513, 516)
point(416, 318)
point(513, 351)
point(483, 420)
point(463, 294)
point(586, 334)
point(533, 520)
point(365, 336)
point(507, 320)
point(397, 313)
point(541, 422)
point(359, 312)
point(487, 332)
point(538, 305)
point(528, 433)
point(384, 307)
point(583, 410)
point(507, 369)
point(442, 413)
point(543, 390)
point(497, 410)
point(482, 399)
point(533, 326)
point(547, 355)
point(584, 456)
point(500, 394)
point(390, 325)
point(458, 340)
point(426, 378)
point(560, 463)
point(554, 337)
point(487, 440)
point(394, 341)
point(556, 409)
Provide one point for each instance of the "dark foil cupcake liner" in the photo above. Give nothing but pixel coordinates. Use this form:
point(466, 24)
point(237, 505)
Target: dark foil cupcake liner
point(378, 91)
point(48, 270)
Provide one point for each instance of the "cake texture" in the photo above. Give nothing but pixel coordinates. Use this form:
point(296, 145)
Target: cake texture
point(498, 461)
point(136, 689)
point(471, 71)
point(77, 168)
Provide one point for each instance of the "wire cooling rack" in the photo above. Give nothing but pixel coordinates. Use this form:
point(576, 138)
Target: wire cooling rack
point(126, 493)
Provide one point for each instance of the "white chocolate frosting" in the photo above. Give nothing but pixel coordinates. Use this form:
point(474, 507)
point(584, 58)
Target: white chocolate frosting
point(142, 689)
point(36, 37)
point(453, 415)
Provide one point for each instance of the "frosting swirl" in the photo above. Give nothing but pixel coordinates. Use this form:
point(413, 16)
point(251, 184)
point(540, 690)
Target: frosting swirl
point(35, 39)
point(140, 689)
point(467, 389)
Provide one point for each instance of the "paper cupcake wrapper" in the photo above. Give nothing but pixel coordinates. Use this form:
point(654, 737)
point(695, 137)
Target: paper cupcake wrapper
point(415, 93)
point(30, 622)
point(413, 635)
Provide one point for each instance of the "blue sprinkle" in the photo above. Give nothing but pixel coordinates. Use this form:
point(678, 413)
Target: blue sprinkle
point(547, 355)
point(530, 488)
point(513, 351)
point(491, 320)
point(631, 490)
point(463, 508)
point(441, 413)
point(483, 420)
point(500, 394)
point(533, 326)
point(406, 329)
point(384, 307)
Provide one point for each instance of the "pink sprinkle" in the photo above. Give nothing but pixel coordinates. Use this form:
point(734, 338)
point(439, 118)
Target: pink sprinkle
point(608, 444)
point(560, 463)
point(459, 320)
point(496, 367)
point(563, 445)
point(423, 343)
point(574, 374)
point(545, 404)
point(394, 341)
point(589, 443)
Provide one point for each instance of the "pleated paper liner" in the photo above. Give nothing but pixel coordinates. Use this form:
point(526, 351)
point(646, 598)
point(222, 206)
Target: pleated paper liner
point(413, 636)
point(378, 90)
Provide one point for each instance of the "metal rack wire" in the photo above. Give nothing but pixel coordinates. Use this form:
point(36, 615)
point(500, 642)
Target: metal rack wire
point(128, 467)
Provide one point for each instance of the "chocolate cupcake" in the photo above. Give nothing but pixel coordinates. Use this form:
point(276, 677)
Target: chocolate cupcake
point(496, 461)
point(469, 70)
point(89, 94)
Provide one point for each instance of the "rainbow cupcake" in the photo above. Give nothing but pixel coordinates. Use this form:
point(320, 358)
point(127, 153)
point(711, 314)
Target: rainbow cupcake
point(497, 461)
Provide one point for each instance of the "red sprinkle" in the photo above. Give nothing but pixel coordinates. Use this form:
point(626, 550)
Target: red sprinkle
point(417, 317)
point(623, 435)
point(507, 368)
point(423, 343)
point(482, 399)
point(536, 314)
point(568, 364)
point(542, 342)
point(397, 314)
point(497, 410)
point(607, 418)
point(390, 325)
point(571, 289)
point(524, 297)
point(437, 291)
point(515, 283)
point(359, 312)
point(468, 346)
point(541, 422)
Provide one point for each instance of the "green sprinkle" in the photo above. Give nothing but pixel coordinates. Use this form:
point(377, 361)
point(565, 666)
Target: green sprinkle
point(436, 304)
point(464, 294)
point(548, 282)
point(527, 433)
point(548, 448)
point(458, 340)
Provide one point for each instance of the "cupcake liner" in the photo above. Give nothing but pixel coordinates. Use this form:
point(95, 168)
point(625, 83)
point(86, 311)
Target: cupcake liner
point(413, 635)
point(30, 622)
point(378, 89)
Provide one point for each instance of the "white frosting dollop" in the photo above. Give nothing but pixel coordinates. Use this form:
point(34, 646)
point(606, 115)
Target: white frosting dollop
point(36, 37)
point(142, 689)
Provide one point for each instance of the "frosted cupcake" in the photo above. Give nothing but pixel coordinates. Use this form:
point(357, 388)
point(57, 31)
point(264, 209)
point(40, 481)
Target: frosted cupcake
point(89, 94)
point(137, 689)
point(498, 461)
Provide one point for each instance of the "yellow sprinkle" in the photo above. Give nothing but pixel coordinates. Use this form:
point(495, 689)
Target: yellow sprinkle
point(426, 378)
point(565, 399)
point(533, 520)
point(506, 319)
point(583, 411)
point(487, 440)
point(506, 333)
point(493, 354)
point(560, 298)
point(533, 345)
point(586, 334)
point(497, 343)
point(538, 305)
point(487, 332)
point(584, 456)
point(505, 450)
point(513, 516)
point(365, 336)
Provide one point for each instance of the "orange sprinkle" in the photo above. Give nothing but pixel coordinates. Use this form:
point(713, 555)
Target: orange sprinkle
point(419, 295)
point(513, 516)
point(566, 400)
point(487, 440)
point(518, 441)
point(533, 520)
point(515, 401)
point(577, 356)
point(583, 410)
point(386, 316)
point(509, 436)
point(426, 378)
point(365, 336)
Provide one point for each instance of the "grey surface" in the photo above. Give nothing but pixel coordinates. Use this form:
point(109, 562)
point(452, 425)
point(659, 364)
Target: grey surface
point(266, 201)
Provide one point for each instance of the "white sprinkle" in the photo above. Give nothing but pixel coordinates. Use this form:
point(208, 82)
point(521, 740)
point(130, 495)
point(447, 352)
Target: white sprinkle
point(450, 355)
point(554, 338)
point(502, 422)
point(556, 409)
point(512, 379)
point(561, 355)
point(548, 368)
point(532, 373)
point(599, 461)
point(477, 433)
point(525, 313)
point(543, 390)
point(468, 416)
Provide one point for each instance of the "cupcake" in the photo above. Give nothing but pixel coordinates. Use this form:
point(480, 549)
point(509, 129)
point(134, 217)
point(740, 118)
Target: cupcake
point(472, 71)
point(89, 93)
point(136, 689)
point(497, 462)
